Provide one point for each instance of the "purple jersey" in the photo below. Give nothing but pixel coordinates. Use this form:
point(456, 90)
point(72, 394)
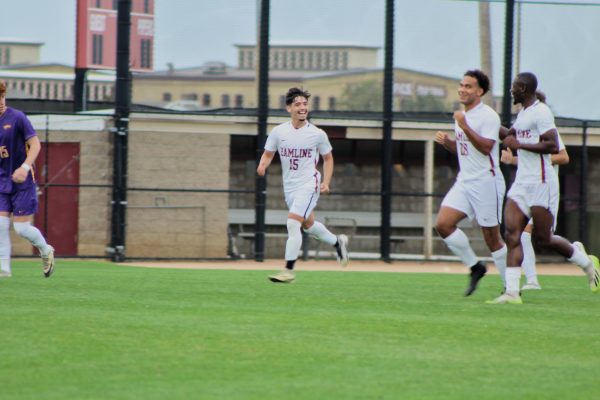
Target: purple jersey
point(15, 130)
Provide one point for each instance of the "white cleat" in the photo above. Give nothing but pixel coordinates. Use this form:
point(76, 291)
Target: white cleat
point(593, 270)
point(507, 298)
point(5, 274)
point(285, 276)
point(342, 254)
point(48, 263)
point(532, 286)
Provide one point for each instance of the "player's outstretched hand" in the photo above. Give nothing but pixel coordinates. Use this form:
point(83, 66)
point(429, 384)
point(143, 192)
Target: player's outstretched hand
point(19, 175)
point(324, 188)
point(440, 137)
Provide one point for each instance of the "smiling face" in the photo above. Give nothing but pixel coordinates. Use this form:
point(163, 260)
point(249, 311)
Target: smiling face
point(298, 109)
point(469, 91)
point(517, 91)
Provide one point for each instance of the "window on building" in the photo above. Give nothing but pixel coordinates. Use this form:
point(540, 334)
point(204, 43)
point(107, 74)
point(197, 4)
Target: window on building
point(301, 60)
point(311, 60)
point(23, 86)
point(2, 56)
point(167, 96)
point(189, 96)
point(250, 57)
point(242, 60)
point(38, 94)
point(281, 101)
point(55, 91)
point(7, 56)
point(316, 103)
point(97, 45)
point(293, 60)
point(97, 93)
point(146, 53)
point(336, 60)
point(225, 100)
point(284, 59)
point(275, 64)
point(239, 101)
point(115, 4)
point(327, 60)
point(206, 100)
point(319, 60)
point(332, 103)
point(98, 3)
point(64, 91)
point(146, 6)
point(345, 60)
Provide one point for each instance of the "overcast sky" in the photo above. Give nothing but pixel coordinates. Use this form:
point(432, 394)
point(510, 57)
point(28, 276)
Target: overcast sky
point(559, 42)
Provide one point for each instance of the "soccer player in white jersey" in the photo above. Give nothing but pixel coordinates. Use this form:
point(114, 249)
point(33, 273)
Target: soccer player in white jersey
point(529, 264)
point(534, 193)
point(479, 188)
point(299, 144)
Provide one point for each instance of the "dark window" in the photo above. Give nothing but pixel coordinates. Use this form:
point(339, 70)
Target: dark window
point(225, 100)
point(115, 4)
point(332, 103)
point(97, 45)
point(167, 96)
point(239, 101)
point(316, 103)
point(64, 91)
point(189, 96)
point(55, 94)
point(206, 100)
point(98, 3)
point(39, 90)
point(146, 6)
point(146, 54)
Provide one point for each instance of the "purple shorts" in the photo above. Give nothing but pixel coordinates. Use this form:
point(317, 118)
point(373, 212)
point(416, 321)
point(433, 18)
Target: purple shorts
point(20, 203)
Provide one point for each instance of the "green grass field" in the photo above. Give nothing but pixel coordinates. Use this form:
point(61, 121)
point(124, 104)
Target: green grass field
point(102, 331)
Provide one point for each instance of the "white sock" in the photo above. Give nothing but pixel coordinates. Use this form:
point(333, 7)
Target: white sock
point(580, 259)
point(33, 234)
point(321, 233)
point(458, 243)
point(294, 242)
point(528, 263)
point(499, 257)
point(513, 278)
point(5, 244)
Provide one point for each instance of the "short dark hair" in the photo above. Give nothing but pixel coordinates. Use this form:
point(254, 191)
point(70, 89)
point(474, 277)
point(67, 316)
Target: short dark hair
point(2, 88)
point(482, 79)
point(529, 80)
point(295, 92)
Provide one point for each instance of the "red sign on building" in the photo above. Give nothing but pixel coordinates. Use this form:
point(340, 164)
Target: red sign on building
point(97, 34)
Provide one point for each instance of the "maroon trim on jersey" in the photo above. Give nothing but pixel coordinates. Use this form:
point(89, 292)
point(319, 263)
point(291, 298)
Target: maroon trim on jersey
point(492, 169)
point(543, 169)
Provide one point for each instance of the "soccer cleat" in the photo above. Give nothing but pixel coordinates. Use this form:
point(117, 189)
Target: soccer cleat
point(48, 263)
point(532, 286)
point(342, 250)
point(506, 298)
point(594, 274)
point(477, 272)
point(285, 276)
point(593, 271)
point(5, 274)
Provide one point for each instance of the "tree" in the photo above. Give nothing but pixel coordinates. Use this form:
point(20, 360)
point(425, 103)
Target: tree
point(362, 96)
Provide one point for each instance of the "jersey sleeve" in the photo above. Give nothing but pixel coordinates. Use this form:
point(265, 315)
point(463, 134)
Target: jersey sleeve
point(545, 120)
point(26, 127)
point(272, 141)
point(324, 146)
point(490, 128)
point(561, 144)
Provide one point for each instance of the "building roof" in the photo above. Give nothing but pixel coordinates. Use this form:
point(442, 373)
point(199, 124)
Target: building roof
point(314, 44)
point(22, 42)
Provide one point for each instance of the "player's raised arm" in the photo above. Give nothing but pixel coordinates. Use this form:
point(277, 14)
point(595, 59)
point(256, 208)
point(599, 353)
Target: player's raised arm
point(327, 172)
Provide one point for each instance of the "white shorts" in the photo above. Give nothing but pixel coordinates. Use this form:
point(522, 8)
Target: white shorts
point(481, 199)
point(302, 201)
point(544, 195)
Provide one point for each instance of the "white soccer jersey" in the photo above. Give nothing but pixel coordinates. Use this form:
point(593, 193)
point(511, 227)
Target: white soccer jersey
point(474, 164)
point(561, 146)
point(299, 151)
point(531, 123)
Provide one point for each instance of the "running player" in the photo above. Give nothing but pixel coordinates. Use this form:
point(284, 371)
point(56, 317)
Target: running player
point(479, 188)
point(534, 193)
point(529, 264)
point(19, 147)
point(299, 144)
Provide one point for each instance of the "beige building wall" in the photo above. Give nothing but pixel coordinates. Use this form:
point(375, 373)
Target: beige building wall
point(19, 53)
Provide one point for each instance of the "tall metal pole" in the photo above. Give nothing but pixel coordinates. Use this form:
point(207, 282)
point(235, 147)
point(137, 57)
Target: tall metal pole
point(485, 46)
point(508, 60)
point(263, 113)
point(80, 90)
point(121, 131)
point(386, 144)
point(583, 231)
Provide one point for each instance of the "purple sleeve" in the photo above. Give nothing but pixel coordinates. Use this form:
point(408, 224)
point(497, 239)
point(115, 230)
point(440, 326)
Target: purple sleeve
point(28, 131)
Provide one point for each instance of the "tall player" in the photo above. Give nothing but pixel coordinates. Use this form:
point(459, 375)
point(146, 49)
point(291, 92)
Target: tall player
point(560, 158)
point(19, 147)
point(534, 193)
point(479, 188)
point(299, 144)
